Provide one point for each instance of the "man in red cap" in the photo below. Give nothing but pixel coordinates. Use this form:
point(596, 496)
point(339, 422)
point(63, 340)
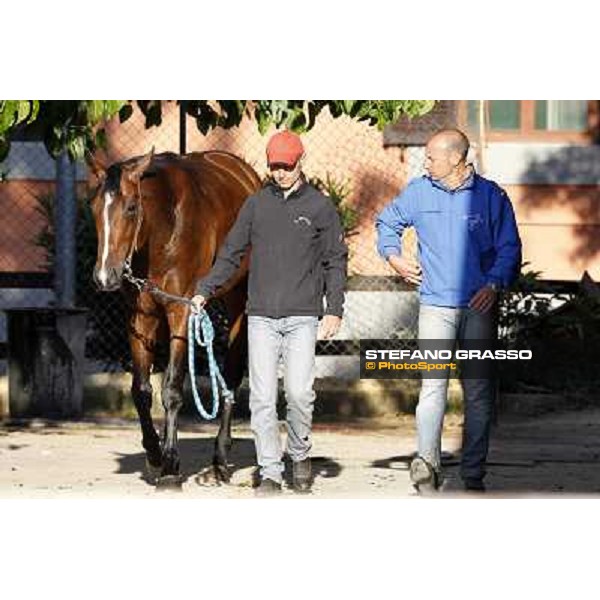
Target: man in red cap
point(298, 259)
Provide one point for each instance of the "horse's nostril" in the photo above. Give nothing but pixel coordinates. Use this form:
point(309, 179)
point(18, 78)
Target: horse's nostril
point(106, 280)
point(112, 280)
point(117, 272)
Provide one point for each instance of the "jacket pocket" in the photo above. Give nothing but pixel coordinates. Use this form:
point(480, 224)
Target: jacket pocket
point(430, 217)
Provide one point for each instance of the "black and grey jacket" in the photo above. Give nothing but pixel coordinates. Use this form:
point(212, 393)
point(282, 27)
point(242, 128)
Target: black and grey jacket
point(297, 254)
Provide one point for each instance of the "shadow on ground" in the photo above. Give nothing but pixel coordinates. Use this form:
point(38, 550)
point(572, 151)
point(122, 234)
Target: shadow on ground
point(555, 453)
point(550, 454)
point(196, 456)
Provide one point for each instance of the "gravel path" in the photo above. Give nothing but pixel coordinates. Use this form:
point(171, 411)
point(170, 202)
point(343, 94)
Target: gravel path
point(555, 455)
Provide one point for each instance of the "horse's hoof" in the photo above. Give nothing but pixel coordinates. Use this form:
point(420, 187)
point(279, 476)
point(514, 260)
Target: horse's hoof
point(213, 476)
point(222, 473)
point(169, 483)
point(152, 472)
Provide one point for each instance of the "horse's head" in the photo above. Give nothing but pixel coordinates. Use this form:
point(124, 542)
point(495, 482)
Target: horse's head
point(118, 213)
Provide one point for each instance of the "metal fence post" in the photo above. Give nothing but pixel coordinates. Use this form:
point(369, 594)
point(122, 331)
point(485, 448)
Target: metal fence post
point(65, 219)
point(182, 127)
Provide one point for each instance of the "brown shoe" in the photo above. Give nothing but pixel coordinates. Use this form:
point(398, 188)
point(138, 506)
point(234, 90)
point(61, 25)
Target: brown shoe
point(268, 487)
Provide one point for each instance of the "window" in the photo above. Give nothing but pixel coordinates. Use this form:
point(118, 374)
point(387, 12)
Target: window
point(561, 115)
point(503, 115)
point(561, 120)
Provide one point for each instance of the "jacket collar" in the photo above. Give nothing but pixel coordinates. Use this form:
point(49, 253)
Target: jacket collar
point(467, 184)
point(277, 191)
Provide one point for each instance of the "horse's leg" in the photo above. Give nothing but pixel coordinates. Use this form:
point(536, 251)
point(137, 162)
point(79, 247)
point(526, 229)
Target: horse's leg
point(172, 391)
point(142, 339)
point(233, 372)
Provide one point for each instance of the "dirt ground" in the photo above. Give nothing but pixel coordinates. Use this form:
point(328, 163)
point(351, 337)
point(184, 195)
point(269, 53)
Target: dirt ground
point(553, 455)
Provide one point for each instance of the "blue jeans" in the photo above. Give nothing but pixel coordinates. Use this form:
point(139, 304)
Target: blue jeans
point(293, 339)
point(456, 324)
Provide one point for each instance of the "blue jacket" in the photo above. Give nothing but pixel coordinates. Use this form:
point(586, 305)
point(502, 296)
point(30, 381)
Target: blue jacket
point(468, 237)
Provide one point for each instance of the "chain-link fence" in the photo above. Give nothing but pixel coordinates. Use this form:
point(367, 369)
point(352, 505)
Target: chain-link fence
point(27, 183)
point(364, 168)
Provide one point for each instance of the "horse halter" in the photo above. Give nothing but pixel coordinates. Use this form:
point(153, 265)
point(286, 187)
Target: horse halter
point(127, 271)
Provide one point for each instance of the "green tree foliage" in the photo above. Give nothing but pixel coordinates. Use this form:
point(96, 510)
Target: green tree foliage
point(78, 125)
point(300, 115)
point(12, 114)
point(72, 124)
point(339, 191)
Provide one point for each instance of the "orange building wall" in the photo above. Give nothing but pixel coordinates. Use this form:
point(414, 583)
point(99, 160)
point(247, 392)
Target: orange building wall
point(20, 223)
point(560, 228)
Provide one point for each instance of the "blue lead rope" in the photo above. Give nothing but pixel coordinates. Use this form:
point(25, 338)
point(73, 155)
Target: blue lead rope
point(202, 332)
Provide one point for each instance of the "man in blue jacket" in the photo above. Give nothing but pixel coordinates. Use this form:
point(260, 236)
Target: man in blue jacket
point(469, 249)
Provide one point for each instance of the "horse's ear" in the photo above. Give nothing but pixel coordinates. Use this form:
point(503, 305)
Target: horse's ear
point(98, 169)
point(143, 165)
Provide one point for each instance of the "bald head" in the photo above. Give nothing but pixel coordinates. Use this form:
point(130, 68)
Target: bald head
point(451, 140)
point(445, 156)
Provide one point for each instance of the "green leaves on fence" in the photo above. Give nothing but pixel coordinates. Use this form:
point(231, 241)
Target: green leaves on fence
point(15, 112)
point(101, 110)
point(300, 115)
point(297, 115)
point(12, 114)
point(78, 125)
point(74, 125)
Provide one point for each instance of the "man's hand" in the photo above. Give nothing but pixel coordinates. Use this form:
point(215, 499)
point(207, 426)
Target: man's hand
point(330, 325)
point(408, 269)
point(484, 299)
point(198, 303)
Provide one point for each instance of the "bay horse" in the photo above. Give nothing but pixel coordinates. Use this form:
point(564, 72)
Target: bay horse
point(163, 218)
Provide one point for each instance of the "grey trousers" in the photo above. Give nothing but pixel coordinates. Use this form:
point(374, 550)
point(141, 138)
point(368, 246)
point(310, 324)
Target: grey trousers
point(292, 339)
point(436, 322)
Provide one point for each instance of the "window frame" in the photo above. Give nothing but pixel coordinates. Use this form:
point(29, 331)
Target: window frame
point(528, 132)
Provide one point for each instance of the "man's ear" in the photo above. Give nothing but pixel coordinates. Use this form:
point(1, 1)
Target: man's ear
point(456, 158)
point(97, 167)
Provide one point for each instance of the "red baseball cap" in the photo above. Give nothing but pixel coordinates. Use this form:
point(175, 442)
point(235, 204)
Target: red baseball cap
point(284, 148)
